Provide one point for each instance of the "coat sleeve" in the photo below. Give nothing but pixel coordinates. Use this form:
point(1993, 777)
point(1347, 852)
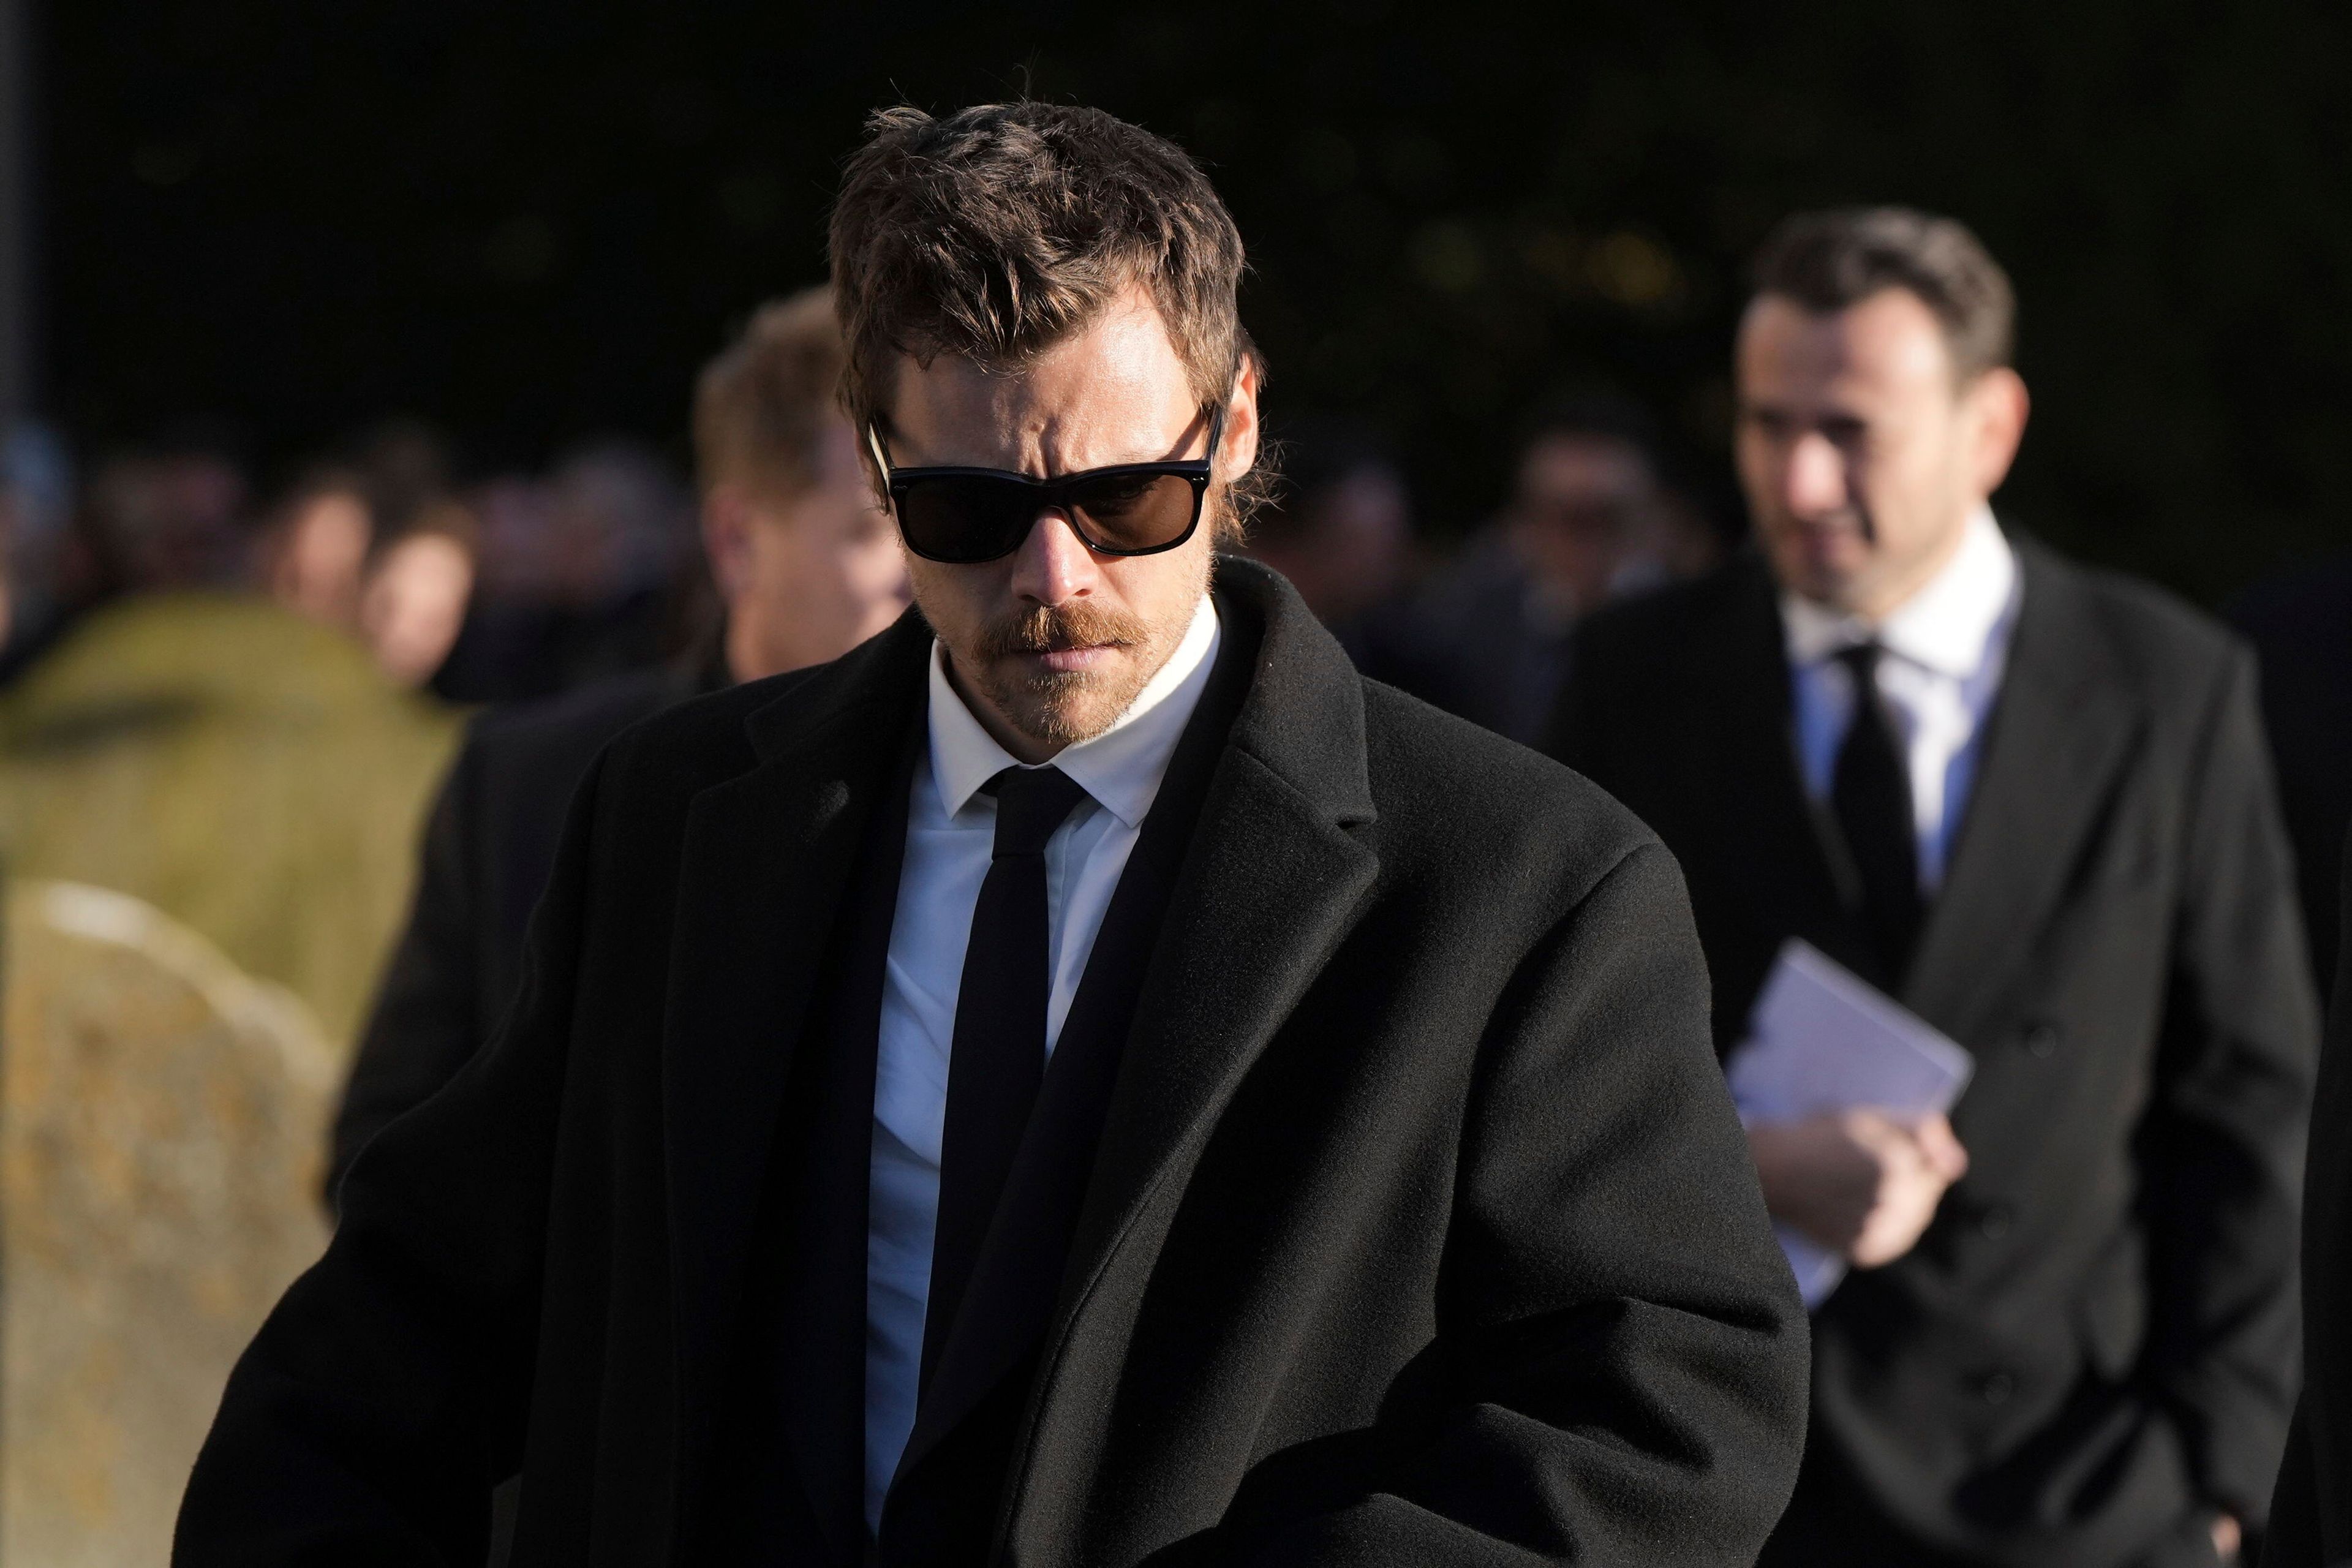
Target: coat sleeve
point(1630, 1356)
point(426, 1023)
point(2222, 1143)
point(383, 1398)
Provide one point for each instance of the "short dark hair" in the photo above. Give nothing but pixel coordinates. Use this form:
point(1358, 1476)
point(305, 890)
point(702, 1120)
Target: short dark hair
point(761, 407)
point(1826, 261)
point(997, 232)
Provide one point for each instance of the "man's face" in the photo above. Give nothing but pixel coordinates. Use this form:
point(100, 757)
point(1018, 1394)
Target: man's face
point(1861, 455)
point(808, 577)
point(1582, 512)
point(1052, 643)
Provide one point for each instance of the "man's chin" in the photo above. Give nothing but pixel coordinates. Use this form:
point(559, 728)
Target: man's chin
point(1063, 708)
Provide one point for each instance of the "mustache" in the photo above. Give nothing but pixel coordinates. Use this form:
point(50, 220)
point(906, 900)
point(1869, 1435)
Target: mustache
point(1043, 629)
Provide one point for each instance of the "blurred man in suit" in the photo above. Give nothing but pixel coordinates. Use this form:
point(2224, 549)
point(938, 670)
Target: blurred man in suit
point(2031, 802)
point(1084, 1078)
point(1588, 519)
point(806, 567)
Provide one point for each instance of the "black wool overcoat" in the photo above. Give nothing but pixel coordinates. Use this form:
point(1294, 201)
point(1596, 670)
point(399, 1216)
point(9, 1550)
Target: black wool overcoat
point(2091, 1351)
point(1419, 1229)
point(489, 844)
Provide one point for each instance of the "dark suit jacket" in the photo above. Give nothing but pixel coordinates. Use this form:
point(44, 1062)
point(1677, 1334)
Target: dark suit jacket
point(2095, 1338)
point(2311, 1513)
point(1420, 1227)
point(489, 845)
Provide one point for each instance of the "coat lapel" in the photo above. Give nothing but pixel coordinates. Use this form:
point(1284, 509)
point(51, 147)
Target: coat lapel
point(765, 864)
point(1275, 880)
point(2054, 746)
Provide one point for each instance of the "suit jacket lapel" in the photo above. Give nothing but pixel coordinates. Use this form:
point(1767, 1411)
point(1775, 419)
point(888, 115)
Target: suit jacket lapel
point(766, 861)
point(2053, 749)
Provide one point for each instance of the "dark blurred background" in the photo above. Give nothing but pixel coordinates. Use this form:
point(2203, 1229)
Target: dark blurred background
point(530, 222)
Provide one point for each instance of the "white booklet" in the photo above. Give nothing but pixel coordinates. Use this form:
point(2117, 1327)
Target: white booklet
point(1823, 1038)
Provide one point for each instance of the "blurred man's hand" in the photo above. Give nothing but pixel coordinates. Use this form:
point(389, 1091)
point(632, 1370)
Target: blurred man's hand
point(1858, 1181)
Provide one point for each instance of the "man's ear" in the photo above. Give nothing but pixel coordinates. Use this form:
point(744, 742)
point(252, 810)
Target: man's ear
point(1998, 407)
point(726, 538)
point(1237, 446)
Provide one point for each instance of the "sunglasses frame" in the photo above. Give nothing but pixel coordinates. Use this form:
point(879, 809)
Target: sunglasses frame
point(1053, 494)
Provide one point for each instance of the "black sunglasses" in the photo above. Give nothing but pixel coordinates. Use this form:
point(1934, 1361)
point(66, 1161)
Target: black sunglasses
point(968, 515)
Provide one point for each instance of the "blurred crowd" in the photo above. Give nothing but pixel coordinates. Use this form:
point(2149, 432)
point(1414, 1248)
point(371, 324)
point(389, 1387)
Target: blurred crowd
point(502, 588)
point(520, 585)
point(513, 586)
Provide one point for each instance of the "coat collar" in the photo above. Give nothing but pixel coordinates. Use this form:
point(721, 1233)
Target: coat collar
point(764, 869)
point(1277, 874)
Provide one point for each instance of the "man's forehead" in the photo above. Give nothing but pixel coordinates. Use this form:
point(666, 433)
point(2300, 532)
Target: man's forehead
point(1887, 345)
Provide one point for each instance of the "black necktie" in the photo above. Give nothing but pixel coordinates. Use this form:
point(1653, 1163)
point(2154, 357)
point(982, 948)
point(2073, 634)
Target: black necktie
point(998, 1058)
point(1871, 795)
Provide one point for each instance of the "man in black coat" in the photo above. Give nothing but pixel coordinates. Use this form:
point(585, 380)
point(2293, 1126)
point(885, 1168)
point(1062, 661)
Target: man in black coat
point(2031, 802)
point(1084, 1078)
point(806, 567)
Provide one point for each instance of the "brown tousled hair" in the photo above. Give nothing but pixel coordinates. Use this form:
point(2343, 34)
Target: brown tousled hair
point(997, 232)
point(1826, 261)
point(761, 407)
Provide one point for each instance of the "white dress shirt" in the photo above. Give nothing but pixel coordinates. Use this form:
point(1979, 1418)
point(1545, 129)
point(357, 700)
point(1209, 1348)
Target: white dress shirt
point(950, 840)
point(1945, 649)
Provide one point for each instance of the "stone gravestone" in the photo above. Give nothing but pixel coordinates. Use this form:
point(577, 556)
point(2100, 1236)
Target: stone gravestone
point(161, 1119)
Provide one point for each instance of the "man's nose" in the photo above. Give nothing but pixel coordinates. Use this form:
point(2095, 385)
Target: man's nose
point(1054, 565)
point(1813, 484)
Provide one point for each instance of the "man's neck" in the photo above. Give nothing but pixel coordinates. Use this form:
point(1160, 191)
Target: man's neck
point(1875, 607)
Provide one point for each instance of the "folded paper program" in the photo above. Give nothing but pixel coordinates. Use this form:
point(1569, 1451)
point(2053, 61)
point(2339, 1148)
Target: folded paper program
point(1822, 1038)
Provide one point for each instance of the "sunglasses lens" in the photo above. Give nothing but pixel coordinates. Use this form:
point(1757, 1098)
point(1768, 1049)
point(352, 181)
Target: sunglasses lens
point(965, 518)
point(1133, 512)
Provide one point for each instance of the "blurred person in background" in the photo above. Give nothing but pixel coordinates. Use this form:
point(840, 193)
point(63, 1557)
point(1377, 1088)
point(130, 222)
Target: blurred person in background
point(380, 553)
point(579, 577)
point(171, 517)
point(315, 548)
point(412, 604)
point(807, 567)
point(1587, 520)
point(2030, 802)
point(191, 743)
point(1341, 527)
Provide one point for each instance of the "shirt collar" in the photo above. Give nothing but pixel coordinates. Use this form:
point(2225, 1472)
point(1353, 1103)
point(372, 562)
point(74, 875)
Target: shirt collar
point(1945, 626)
point(1122, 768)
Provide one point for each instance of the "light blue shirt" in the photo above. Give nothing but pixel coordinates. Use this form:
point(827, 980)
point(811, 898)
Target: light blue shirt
point(951, 839)
point(1946, 649)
